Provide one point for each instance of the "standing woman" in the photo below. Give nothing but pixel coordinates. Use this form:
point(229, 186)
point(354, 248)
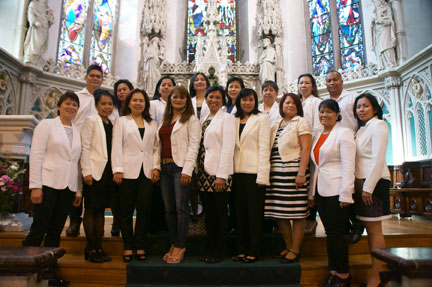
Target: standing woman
point(372, 175)
point(160, 97)
point(287, 197)
point(233, 87)
point(215, 167)
point(54, 156)
point(122, 88)
point(269, 105)
point(251, 174)
point(96, 136)
point(135, 160)
point(180, 137)
point(333, 156)
point(308, 92)
point(197, 89)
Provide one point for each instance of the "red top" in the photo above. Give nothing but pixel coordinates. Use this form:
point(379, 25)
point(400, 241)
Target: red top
point(165, 136)
point(318, 145)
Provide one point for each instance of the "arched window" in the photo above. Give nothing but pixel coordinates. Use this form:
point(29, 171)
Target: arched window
point(197, 10)
point(336, 35)
point(86, 32)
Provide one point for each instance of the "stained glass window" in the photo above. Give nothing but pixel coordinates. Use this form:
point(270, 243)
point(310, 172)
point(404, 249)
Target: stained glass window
point(197, 10)
point(73, 43)
point(348, 30)
point(321, 36)
point(350, 33)
point(101, 44)
point(72, 32)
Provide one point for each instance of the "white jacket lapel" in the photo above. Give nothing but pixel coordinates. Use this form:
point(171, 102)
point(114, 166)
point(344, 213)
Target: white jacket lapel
point(62, 133)
point(102, 134)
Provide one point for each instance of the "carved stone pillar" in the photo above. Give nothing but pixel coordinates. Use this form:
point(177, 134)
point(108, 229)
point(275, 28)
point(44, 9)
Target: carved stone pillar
point(28, 79)
point(400, 31)
point(392, 84)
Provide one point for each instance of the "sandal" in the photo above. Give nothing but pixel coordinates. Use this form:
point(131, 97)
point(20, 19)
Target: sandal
point(282, 254)
point(141, 256)
point(239, 258)
point(127, 257)
point(290, 260)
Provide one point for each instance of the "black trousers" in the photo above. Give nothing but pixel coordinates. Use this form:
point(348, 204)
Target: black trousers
point(115, 206)
point(249, 206)
point(216, 221)
point(353, 223)
point(49, 217)
point(135, 193)
point(334, 219)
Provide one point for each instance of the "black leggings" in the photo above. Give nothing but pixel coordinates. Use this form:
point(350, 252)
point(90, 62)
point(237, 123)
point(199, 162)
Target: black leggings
point(94, 220)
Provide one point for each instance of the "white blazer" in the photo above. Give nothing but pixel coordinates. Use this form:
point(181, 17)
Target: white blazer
point(205, 111)
point(274, 114)
point(219, 144)
point(94, 155)
point(252, 150)
point(53, 162)
point(130, 152)
point(335, 171)
point(185, 141)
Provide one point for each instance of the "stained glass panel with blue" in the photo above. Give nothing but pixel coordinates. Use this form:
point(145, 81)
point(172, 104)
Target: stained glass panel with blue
point(321, 37)
point(197, 10)
point(350, 33)
point(72, 31)
point(101, 44)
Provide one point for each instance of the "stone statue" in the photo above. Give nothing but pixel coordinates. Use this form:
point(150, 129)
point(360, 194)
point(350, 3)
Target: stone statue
point(151, 66)
point(267, 62)
point(40, 18)
point(199, 53)
point(383, 35)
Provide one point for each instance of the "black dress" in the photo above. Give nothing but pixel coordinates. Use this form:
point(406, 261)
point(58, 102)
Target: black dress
point(98, 195)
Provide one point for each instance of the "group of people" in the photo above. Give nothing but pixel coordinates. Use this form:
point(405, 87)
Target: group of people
point(279, 161)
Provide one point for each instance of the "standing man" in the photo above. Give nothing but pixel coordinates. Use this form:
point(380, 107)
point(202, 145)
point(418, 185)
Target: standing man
point(94, 79)
point(345, 100)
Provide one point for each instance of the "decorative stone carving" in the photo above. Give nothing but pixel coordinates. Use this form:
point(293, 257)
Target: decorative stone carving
point(40, 18)
point(243, 68)
point(392, 82)
point(3, 83)
point(270, 27)
point(152, 44)
point(51, 98)
point(417, 88)
point(383, 35)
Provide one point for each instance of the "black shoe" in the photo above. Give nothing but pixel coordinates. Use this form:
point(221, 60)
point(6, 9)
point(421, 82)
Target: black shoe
point(58, 282)
point(74, 228)
point(250, 260)
point(104, 256)
point(327, 283)
point(290, 260)
point(355, 235)
point(238, 258)
point(339, 282)
point(127, 258)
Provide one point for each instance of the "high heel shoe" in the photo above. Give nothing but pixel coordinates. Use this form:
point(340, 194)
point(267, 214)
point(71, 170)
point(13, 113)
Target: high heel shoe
point(141, 256)
point(168, 254)
point(127, 257)
point(340, 282)
point(103, 255)
point(176, 259)
point(290, 260)
point(282, 254)
point(239, 258)
point(95, 256)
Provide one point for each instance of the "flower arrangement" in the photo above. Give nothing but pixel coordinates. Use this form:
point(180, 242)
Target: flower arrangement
point(10, 186)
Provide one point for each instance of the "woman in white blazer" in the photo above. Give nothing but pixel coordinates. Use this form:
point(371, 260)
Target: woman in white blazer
point(251, 174)
point(96, 136)
point(372, 186)
point(269, 105)
point(215, 167)
point(333, 157)
point(286, 198)
point(179, 136)
point(160, 97)
point(197, 88)
point(135, 161)
point(54, 176)
point(233, 87)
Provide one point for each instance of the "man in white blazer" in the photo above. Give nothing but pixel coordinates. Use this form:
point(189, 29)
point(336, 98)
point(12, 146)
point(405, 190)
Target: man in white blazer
point(345, 99)
point(94, 79)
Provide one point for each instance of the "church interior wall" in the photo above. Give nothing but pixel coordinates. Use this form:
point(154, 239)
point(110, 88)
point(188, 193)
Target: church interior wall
point(13, 26)
point(54, 31)
point(175, 40)
point(418, 21)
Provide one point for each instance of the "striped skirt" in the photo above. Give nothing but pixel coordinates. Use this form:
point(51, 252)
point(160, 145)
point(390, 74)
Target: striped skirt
point(283, 200)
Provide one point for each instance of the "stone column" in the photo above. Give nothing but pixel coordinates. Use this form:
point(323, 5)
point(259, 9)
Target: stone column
point(392, 84)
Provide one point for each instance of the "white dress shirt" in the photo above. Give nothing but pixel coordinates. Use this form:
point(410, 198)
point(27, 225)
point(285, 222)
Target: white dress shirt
point(53, 160)
point(334, 173)
point(311, 113)
point(252, 150)
point(371, 164)
point(86, 107)
point(157, 109)
point(346, 103)
point(274, 114)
